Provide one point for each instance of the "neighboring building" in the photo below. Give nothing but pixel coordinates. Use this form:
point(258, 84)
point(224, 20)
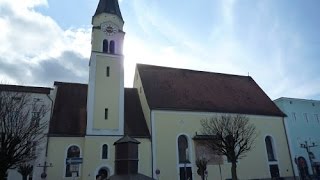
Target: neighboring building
point(303, 129)
point(42, 96)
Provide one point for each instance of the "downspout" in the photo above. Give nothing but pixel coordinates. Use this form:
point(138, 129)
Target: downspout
point(47, 143)
point(151, 128)
point(285, 131)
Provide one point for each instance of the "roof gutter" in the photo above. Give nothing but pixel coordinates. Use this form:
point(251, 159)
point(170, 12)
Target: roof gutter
point(152, 141)
point(47, 143)
point(289, 149)
point(51, 111)
point(218, 111)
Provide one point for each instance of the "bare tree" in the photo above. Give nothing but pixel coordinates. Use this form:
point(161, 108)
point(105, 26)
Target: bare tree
point(21, 129)
point(232, 136)
point(25, 170)
point(202, 167)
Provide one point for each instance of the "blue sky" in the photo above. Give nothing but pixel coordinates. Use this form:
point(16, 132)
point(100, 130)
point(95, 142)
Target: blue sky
point(276, 42)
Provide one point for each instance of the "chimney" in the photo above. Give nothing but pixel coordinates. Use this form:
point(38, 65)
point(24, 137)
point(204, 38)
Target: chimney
point(126, 156)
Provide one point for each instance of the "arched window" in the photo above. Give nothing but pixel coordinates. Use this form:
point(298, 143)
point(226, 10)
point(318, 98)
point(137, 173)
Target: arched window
point(302, 166)
point(185, 166)
point(183, 149)
point(105, 46)
point(270, 149)
point(103, 173)
point(73, 152)
point(112, 47)
point(104, 151)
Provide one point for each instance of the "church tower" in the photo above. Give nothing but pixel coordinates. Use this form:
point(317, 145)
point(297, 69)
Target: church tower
point(105, 103)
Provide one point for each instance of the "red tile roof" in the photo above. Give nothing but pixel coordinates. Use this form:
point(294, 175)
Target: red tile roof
point(134, 121)
point(188, 90)
point(28, 89)
point(69, 117)
point(70, 113)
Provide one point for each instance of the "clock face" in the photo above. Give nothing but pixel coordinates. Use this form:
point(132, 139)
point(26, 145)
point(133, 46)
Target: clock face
point(109, 28)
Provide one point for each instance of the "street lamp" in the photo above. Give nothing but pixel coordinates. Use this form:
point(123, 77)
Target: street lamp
point(45, 166)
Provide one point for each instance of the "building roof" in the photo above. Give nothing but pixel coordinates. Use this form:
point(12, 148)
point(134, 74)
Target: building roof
point(188, 90)
point(27, 89)
point(126, 139)
point(69, 117)
point(70, 112)
point(109, 6)
point(295, 99)
point(134, 121)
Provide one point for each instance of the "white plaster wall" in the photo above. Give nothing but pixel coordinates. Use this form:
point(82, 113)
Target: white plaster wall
point(299, 129)
point(41, 149)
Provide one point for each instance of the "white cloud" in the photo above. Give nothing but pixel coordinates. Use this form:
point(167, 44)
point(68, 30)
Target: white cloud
point(31, 43)
point(30, 40)
point(23, 6)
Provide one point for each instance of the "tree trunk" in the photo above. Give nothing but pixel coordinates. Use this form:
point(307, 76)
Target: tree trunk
point(24, 177)
point(234, 171)
point(3, 173)
point(202, 177)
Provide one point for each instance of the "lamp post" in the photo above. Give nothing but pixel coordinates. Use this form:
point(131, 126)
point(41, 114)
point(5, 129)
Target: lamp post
point(45, 166)
point(306, 146)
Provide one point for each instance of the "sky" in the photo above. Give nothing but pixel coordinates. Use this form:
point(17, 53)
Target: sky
point(276, 42)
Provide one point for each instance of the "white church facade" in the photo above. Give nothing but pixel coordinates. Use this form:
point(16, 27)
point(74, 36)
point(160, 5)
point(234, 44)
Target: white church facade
point(165, 105)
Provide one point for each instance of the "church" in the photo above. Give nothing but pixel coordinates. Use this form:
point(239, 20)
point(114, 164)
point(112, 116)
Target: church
point(161, 112)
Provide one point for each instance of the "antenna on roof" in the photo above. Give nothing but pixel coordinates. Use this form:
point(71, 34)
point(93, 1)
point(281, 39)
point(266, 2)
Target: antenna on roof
point(248, 74)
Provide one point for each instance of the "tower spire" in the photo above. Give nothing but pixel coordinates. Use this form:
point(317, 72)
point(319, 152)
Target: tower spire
point(110, 7)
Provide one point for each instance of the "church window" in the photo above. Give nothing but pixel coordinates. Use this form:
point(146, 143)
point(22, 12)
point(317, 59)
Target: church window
point(183, 149)
point(306, 117)
point(317, 118)
point(108, 71)
point(104, 172)
point(185, 166)
point(270, 149)
point(105, 46)
point(106, 113)
point(112, 47)
point(35, 118)
point(274, 171)
point(185, 173)
point(16, 99)
point(104, 151)
point(33, 150)
point(72, 152)
point(294, 117)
